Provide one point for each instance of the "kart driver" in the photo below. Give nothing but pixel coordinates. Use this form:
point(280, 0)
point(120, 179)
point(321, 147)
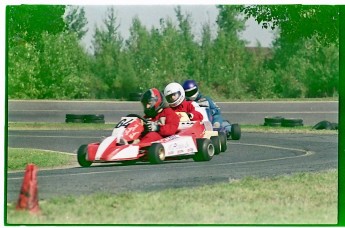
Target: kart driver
point(193, 94)
point(175, 96)
point(162, 120)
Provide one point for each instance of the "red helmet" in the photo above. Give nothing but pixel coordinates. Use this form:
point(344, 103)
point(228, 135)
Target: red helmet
point(152, 101)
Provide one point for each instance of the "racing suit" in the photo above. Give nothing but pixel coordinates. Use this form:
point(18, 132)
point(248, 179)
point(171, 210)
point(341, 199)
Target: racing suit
point(212, 108)
point(167, 122)
point(188, 107)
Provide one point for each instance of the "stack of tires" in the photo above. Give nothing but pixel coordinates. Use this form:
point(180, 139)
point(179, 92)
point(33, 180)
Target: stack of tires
point(86, 118)
point(281, 121)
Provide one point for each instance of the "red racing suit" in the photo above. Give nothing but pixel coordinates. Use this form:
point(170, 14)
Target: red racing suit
point(187, 106)
point(168, 122)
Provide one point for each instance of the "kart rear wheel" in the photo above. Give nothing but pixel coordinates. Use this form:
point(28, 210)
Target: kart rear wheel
point(156, 153)
point(235, 132)
point(223, 138)
point(205, 150)
point(216, 143)
point(82, 153)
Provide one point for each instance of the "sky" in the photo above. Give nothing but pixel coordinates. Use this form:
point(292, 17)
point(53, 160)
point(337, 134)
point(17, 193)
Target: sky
point(150, 15)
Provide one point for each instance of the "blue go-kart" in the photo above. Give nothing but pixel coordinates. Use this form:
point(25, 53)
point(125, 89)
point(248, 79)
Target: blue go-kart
point(232, 131)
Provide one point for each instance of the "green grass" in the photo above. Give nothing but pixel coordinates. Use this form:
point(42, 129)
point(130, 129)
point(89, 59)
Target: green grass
point(305, 198)
point(19, 158)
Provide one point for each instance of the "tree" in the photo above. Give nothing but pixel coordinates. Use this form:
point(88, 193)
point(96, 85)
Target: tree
point(229, 55)
point(298, 21)
point(26, 23)
point(65, 68)
point(107, 45)
point(23, 68)
point(76, 21)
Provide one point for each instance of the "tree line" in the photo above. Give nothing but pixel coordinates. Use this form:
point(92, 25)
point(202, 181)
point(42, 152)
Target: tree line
point(46, 60)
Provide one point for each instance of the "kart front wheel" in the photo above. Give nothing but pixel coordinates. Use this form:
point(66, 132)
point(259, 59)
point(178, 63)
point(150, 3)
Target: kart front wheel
point(82, 153)
point(156, 153)
point(205, 150)
point(235, 132)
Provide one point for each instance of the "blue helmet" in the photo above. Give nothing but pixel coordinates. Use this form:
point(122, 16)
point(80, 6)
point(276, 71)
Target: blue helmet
point(191, 89)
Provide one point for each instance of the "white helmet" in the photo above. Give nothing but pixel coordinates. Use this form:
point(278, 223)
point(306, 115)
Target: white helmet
point(174, 94)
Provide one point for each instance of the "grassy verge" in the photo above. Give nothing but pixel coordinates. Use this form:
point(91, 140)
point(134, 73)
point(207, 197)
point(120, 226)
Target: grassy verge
point(110, 126)
point(19, 158)
point(309, 198)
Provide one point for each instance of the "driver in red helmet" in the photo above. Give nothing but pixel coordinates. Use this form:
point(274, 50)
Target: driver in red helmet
point(162, 120)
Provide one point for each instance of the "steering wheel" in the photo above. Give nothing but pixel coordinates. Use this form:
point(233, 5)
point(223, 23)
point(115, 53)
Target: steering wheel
point(138, 116)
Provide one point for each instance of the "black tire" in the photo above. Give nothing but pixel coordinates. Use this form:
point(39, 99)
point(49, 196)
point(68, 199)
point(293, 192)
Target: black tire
point(323, 125)
point(156, 153)
point(235, 132)
point(94, 121)
point(82, 152)
point(94, 117)
point(74, 120)
point(290, 122)
point(205, 150)
point(223, 141)
point(216, 143)
point(273, 121)
point(74, 116)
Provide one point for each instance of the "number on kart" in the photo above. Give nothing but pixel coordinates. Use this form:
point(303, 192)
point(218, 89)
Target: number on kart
point(124, 123)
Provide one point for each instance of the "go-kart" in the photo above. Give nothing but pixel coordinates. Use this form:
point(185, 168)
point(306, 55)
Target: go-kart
point(194, 139)
point(232, 131)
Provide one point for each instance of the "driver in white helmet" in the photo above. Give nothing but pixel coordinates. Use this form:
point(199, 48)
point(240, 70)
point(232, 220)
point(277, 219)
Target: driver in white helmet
point(175, 96)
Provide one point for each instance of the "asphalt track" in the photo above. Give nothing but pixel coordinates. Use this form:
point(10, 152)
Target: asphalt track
point(255, 154)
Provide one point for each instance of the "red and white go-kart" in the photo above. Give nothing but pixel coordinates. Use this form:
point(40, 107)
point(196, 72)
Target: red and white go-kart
point(195, 139)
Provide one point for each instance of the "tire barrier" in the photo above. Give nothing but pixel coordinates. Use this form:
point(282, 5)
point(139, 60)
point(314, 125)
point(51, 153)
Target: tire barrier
point(274, 121)
point(277, 121)
point(325, 125)
point(87, 118)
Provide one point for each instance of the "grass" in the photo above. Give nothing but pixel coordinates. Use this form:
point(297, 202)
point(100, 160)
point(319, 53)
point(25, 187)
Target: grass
point(19, 158)
point(304, 198)
point(110, 126)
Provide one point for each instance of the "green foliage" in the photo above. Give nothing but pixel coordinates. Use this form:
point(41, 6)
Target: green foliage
point(23, 67)
point(76, 21)
point(26, 23)
point(46, 62)
point(298, 21)
point(65, 68)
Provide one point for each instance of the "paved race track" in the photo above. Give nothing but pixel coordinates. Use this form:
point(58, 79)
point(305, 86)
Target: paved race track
point(255, 154)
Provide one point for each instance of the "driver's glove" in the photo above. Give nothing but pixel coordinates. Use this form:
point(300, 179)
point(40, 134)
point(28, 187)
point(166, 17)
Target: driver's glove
point(152, 126)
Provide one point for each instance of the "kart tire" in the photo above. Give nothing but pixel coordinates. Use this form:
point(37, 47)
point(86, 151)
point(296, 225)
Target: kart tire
point(94, 121)
point(216, 143)
point(205, 150)
point(292, 122)
point(275, 121)
point(82, 152)
point(222, 138)
point(74, 116)
point(235, 132)
point(156, 153)
point(74, 120)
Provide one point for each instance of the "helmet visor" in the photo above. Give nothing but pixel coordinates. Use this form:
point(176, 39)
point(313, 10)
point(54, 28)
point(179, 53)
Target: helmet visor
point(171, 98)
point(191, 92)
